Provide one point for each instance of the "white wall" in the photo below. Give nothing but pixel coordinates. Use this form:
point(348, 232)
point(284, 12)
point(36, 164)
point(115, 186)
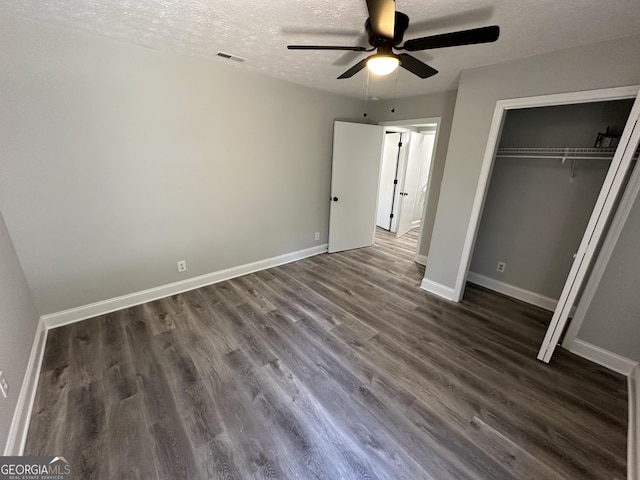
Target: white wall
point(18, 320)
point(424, 106)
point(612, 321)
point(567, 70)
point(117, 161)
point(534, 217)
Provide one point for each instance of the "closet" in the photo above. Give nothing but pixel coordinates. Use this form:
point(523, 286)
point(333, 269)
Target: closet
point(549, 168)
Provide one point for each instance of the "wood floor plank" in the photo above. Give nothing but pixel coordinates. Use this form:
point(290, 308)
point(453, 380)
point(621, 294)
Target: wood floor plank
point(301, 301)
point(352, 460)
point(336, 366)
point(86, 430)
point(128, 440)
point(174, 451)
point(519, 462)
point(200, 419)
point(84, 354)
point(339, 393)
point(49, 423)
point(218, 460)
point(56, 353)
point(244, 335)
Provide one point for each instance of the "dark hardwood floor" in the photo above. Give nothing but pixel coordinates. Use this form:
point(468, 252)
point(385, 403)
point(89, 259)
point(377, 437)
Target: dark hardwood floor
point(336, 366)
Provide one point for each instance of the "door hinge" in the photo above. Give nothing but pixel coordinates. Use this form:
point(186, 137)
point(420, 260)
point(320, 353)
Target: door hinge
point(391, 216)
point(395, 182)
point(400, 144)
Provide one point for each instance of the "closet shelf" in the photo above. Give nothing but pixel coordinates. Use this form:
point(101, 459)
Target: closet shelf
point(558, 153)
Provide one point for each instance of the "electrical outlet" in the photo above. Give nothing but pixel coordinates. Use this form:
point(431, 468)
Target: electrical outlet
point(4, 386)
point(317, 235)
point(182, 266)
point(501, 267)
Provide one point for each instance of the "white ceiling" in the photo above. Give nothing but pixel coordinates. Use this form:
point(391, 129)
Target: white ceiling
point(259, 30)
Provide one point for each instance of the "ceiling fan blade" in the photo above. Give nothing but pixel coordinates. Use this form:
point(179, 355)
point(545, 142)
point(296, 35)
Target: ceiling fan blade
point(416, 66)
point(355, 69)
point(326, 47)
point(463, 37)
point(446, 22)
point(382, 14)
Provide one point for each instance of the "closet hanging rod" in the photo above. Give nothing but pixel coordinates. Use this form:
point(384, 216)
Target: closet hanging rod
point(554, 157)
point(564, 154)
point(559, 151)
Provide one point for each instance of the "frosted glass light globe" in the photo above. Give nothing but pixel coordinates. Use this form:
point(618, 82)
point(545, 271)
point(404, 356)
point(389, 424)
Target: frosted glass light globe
point(382, 65)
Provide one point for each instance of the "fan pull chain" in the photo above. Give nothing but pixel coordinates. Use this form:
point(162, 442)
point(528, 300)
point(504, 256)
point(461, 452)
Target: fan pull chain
point(395, 89)
point(366, 95)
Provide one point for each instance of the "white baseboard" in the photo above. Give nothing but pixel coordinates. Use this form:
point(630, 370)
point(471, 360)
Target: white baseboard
point(22, 415)
point(103, 307)
point(438, 289)
point(422, 259)
point(516, 292)
point(603, 357)
point(633, 443)
point(416, 224)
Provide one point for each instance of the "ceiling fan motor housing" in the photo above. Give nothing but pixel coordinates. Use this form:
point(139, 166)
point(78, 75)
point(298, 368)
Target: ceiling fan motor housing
point(400, 27)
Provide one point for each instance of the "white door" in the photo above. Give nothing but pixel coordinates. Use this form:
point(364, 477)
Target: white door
point(388, 185)
point(355, 175)
point(602, 211)
point(409, 183)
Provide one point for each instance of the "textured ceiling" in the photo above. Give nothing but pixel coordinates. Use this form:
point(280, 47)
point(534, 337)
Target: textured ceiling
point(259, 31)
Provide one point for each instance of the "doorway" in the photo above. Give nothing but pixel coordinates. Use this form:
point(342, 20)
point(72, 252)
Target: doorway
point(405, 178)
point(546, 178)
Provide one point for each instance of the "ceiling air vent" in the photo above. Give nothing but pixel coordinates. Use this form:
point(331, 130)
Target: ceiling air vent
point(229, 56)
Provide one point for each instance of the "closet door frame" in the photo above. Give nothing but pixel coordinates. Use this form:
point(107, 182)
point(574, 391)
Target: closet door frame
point(502, 106)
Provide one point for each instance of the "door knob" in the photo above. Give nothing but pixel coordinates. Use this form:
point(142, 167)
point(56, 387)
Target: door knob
point(335, 199)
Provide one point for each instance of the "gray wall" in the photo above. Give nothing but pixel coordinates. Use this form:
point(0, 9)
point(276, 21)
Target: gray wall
point(117, 161)
point(534, 217)
point(534, 220)
point(613, 319)
point(18, 321)
point(574, 125)
point(424, 106)
point(566, 70)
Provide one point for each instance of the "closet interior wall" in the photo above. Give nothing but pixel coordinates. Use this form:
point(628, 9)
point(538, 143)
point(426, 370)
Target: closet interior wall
point(536, 208)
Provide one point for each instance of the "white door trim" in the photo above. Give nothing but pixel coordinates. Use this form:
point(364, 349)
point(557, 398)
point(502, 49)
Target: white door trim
point(421, 121)
point(587, 96)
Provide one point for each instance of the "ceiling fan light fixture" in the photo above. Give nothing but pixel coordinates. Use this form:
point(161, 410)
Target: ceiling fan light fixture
point(382, 64)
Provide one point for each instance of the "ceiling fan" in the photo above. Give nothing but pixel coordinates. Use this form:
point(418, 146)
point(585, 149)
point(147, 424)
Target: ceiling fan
point(385, 28)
